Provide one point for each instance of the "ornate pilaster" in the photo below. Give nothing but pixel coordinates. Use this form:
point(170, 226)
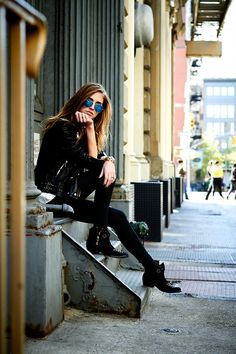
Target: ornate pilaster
point(31, 190)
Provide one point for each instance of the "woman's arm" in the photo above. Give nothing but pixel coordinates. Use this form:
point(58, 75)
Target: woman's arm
point(91, 140)
point(90, 132)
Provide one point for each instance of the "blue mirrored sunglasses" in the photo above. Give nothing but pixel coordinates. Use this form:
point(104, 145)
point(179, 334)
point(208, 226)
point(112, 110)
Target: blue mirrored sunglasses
point(98, 106)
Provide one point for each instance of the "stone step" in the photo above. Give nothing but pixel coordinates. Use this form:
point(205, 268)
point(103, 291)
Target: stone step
point(94, 287)
point(127, 271)
point(133, 279)
point(111, 263)
point(78, 230)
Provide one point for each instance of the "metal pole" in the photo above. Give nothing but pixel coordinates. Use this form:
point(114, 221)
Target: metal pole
point(19, 12)
point(17, 215)
point(3, 100)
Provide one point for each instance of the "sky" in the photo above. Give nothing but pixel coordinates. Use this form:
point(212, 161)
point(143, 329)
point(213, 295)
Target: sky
point(225, 66)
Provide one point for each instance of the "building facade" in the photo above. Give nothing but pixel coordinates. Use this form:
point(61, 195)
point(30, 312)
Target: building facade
point(128, 47)
point(219, 118)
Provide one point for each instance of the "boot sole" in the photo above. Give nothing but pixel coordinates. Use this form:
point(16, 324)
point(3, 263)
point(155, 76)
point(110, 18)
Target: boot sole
point(125, 255)
point(169, 290)
point(109, 255)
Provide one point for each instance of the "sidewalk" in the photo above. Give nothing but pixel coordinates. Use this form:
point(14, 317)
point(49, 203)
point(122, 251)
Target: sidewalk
point(199, 249)
point(201, 245)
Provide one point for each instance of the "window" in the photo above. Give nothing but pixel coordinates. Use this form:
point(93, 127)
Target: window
point(230, 91)
point(216, 111)
point(216, 129)
point(227, 127)
point(209, 111)
point(230, 111)
point(209, 128)
point(216, 91)
point(232, 128)
point(222, 127)
point(223, 111)
point(224, 91)
point(209, 91)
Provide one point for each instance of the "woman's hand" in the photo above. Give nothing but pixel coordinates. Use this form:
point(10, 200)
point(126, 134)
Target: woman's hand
point(109, 173)
point(84, 119)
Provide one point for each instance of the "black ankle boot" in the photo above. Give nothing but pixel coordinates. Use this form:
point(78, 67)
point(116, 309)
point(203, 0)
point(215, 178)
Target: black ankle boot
point(99, 242)
point(157, 278)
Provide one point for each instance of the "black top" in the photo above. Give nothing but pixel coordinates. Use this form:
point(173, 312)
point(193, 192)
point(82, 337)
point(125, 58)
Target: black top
point(60, 144)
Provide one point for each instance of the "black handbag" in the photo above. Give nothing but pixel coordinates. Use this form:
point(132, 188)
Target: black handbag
point(71, 180)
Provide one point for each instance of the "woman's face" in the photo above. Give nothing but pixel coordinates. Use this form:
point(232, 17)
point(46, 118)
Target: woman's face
point(93, 105)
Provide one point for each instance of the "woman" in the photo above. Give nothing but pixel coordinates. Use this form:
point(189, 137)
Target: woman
point(232, 179)
point(218, 175)
point(181, 172)
point(209, 177)
point(78, 134)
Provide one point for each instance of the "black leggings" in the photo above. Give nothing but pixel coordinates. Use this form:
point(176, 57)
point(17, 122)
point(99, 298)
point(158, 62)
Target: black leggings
point(217, 186)
point(232, 188)
point(99, 213)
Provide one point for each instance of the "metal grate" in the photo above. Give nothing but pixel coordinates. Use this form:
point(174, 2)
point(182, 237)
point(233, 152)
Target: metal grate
point(172, 196)
point(198, 255)
point(214, 290)
point(204, 281)
point(166, 200)
point(178, 192)
point(200, 273)
point(204, 12)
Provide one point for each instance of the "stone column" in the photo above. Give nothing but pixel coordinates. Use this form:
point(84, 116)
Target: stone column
point(43, 247)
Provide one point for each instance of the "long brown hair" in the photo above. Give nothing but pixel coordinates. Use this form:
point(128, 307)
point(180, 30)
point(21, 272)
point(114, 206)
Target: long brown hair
point(101, 122)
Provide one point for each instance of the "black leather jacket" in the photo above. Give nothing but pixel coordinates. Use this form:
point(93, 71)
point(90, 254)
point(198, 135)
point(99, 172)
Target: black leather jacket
point(58, 145)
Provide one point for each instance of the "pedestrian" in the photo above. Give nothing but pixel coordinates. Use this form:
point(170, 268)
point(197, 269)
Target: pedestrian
point(210, 178)
point(78, 135)
point(217, 175)
point(181, 172)
point(232, 179)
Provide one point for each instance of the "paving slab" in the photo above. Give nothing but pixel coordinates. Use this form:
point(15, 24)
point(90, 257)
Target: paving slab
point(170, 324)
point(199, 250)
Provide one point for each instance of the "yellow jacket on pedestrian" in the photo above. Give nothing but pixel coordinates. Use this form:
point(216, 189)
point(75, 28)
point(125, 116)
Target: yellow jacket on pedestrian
point(217, 172)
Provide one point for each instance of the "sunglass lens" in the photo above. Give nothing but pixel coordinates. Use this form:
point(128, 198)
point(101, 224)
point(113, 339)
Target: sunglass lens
point(88, 103)
point(98, 107)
